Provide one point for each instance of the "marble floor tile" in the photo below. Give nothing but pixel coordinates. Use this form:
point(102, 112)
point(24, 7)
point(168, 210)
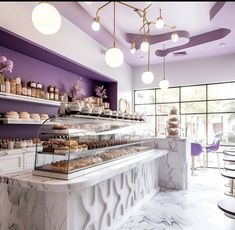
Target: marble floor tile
point(191, 209)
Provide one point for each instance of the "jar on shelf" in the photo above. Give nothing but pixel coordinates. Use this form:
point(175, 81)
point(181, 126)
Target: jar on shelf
point(24, 89)
point(39, 89)
point(47, 96)
point(33, 89)
point(8, 86)
point(29, 91)
point(18, 89)
point(2, 83)
point(18, 80)
point(13, 86)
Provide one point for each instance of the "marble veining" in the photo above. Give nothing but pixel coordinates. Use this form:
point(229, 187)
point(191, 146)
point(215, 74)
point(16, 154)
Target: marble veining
point(101, 206)
point(191, 209)
point(27, 180)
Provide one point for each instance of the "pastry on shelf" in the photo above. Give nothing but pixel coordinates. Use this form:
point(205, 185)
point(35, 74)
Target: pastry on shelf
point(24, 116)
point(12, 115)
point(107, 113)
point(59, 126)
point(115, 114)
point(96, 111)
point(35, 116)
point(75, 107)
point(86, 110)
point(44, 117)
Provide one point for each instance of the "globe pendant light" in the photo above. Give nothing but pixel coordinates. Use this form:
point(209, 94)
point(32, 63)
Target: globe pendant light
point(164, 84)
point(147, 76)
point(46, 19)
point(174, 37)
point(114, 56)
point(159, 23)
point(96, 24)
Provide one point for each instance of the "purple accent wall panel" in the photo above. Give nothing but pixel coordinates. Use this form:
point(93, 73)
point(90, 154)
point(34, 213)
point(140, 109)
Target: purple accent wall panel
point(30, 69)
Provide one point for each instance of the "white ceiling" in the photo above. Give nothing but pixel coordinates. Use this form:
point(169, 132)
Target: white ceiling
point(193, 17)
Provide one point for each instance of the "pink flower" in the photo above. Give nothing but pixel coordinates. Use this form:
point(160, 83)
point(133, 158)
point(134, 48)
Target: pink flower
point(5, 64)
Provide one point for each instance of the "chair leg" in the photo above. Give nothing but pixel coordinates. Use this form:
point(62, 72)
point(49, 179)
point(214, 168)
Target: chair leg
point(193, 164)
point(206, 159)
point(218, 160)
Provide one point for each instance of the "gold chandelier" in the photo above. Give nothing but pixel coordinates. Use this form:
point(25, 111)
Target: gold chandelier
point(114, 56)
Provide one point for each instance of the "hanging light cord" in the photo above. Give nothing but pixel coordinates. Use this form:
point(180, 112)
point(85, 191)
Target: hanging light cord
point(114, 28)
point(164, 64)
point(148, 57)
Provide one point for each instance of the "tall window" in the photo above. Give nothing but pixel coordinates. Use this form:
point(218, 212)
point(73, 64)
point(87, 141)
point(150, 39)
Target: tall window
point(205, 110)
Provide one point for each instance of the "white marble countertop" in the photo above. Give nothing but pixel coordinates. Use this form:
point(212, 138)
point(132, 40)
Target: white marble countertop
point(27, 180)
point(5, 152)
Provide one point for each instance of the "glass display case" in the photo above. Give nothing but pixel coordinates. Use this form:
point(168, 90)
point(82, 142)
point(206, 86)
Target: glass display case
point(77, 144)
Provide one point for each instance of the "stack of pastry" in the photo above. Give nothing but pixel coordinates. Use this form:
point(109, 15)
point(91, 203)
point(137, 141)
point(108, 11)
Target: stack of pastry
point(35, 116)
point(44, 117)
point(173, 128)
point(12, 115)
point(24, 116)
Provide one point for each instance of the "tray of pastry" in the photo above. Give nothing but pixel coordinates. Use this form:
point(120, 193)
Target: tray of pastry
point(72, 147)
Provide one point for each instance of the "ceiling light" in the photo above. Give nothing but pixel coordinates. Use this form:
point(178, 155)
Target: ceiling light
point(96, 24)
point(88, 3)
point(114, 57)
point(144, 45)
point(174, 37)
point(159, 23)
point(147, 76)
point(46, 19)
point(133, 49)
point(164, 84)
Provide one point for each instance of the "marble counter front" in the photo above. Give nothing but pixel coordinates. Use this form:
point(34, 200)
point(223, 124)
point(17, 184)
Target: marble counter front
point(101, 199)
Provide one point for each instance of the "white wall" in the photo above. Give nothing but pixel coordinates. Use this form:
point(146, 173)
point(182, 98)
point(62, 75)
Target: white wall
point(70, 42)
point(195, 71)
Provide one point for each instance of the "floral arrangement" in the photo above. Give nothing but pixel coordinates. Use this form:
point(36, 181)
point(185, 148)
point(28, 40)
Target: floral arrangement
point(76, 91)
point(5, 64)
point(100, 91)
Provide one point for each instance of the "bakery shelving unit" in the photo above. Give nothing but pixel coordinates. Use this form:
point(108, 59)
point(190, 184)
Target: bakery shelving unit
point(101, 135)
point(16, 97)
point(22, 122)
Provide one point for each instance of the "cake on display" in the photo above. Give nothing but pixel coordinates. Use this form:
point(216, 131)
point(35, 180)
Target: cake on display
point(173, 123)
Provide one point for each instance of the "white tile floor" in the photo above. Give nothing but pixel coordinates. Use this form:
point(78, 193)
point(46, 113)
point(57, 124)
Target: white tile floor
point(191, 209)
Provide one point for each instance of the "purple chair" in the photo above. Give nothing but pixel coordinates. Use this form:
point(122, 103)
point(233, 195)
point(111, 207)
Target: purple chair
point(212, 148)
point(196, 150)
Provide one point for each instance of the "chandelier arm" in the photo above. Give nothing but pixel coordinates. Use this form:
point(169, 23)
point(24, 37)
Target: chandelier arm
point(132, 7)
point(97, 12)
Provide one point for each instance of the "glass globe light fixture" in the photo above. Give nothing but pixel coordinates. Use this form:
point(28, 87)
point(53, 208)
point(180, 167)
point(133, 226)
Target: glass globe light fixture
point(46, 19)
point(144, 45)
point(159, 23)
point(96, 24)
point(164, 84)
point(174, 37)
point(147, 77)
point(133, 49)
point(114, 57)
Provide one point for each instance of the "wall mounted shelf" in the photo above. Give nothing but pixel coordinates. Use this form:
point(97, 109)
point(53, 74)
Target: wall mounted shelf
point(16, 97)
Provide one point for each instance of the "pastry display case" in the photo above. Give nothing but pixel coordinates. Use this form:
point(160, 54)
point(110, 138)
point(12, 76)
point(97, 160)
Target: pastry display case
point(77, 144)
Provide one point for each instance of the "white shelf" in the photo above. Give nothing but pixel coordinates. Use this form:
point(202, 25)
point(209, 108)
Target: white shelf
point(23, 122)
point(16, 97)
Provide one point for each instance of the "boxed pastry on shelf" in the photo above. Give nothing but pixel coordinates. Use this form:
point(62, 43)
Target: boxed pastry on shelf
point(173, 123)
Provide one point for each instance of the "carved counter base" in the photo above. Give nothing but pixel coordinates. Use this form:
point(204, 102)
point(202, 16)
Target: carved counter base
point(99, 207)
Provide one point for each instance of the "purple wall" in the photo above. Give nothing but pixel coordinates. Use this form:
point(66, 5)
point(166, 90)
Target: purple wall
point(32, 69)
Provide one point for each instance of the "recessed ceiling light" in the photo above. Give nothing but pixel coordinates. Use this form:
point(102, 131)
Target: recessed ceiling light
point(88, 2)
point(222, 44)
